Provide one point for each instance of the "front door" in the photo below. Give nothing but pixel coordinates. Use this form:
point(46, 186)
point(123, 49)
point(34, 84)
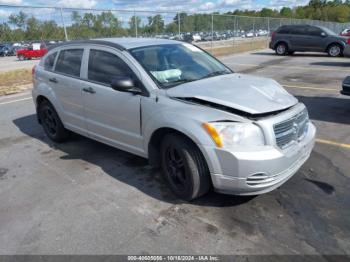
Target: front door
point(111, 116)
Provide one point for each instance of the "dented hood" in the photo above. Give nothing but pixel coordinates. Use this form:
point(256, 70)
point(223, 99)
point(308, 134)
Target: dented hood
point(254, 95)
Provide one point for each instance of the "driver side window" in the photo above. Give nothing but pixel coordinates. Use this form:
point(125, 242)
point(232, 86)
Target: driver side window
point(104, 66)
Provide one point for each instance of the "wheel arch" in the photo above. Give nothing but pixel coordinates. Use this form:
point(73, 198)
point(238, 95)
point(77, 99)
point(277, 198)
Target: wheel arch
point(156, 139)
point(335, 43)
point(280, 42)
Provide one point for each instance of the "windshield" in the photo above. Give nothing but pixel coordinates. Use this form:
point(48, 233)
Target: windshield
point(173, 64)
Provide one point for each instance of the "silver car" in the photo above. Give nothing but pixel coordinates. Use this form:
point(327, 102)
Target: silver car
point(171, 102)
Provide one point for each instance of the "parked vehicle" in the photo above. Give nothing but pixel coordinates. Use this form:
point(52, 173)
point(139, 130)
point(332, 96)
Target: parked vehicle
point(33, 51)
point(345, 33)
point(346, 86)
point(300, 38)
point(346, 52)
point(176, 105)
point(7, 50)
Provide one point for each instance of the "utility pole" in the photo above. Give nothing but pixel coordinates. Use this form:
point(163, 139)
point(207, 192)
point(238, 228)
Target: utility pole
point(64, 26)
point(136, 23)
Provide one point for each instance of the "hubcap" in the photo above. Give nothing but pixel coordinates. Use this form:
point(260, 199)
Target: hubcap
point(176, 167)
point(334, 51)
point(49, 121)
point(281, 49)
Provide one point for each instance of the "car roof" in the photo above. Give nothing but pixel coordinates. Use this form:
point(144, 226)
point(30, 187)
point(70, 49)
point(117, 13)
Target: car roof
point(121, 43)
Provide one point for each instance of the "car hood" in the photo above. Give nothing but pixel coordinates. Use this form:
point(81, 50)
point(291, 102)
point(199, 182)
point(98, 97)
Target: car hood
point(253, 95)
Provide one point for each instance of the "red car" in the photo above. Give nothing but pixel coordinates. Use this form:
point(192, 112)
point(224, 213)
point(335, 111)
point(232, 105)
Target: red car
point(345, 33)
point(33, 51)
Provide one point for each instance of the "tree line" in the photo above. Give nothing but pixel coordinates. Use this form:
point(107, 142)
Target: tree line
point(22, 26)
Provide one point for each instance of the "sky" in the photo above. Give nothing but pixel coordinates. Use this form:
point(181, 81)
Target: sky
point(163, 5)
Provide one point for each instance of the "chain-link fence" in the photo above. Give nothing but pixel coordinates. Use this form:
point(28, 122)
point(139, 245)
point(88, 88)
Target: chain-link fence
point(20, 24)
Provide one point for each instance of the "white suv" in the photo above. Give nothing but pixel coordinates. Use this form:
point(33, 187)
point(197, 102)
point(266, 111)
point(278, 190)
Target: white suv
point(176, 105)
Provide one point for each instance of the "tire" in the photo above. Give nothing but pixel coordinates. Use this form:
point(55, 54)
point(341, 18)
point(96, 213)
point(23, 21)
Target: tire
point(51, 123)
point(335, 50)
point(281, 49)
point(21, 58)
point(184, 167)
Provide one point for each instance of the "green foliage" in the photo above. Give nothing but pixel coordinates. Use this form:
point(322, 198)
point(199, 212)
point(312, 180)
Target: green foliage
point(21, 26)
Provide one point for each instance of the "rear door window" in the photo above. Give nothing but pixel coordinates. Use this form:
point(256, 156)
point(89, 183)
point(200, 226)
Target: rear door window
point(69, 62)
point(284, 30)
point(49, 61)
point(298, 30)
point(104, 66)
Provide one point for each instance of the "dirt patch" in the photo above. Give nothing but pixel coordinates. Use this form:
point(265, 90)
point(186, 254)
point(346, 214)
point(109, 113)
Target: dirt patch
point(237, 47)
point(15, 81)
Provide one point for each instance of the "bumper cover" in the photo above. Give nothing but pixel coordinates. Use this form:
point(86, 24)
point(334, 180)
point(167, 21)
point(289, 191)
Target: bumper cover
point(258, 172)
point(347, 51)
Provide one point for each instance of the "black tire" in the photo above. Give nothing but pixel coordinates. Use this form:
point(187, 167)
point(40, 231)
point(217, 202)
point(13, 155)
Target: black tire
point(184, 167)
point(21, 58)
point(281, 49)
point(335, 50)
point(51, 123)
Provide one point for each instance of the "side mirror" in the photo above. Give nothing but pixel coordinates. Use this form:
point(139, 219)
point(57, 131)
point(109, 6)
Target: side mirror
point(323, 34)
point(125, 84)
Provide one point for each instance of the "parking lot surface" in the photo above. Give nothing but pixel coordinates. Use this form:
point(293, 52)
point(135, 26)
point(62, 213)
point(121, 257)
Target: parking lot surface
point(9, 63)
point(83, 197)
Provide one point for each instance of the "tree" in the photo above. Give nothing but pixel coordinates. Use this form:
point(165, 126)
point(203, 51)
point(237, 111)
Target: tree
point(286, 12)
point(134, 24)
point(18, 20)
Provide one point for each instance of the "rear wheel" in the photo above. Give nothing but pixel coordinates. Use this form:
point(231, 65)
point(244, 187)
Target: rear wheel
point(184, 167)
point(281, 49)
point(335, 50)
point(21, 58)
point(51, 123)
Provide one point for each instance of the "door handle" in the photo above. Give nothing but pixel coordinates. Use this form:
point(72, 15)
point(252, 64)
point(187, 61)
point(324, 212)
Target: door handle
point(89, 90)
point(53, 80)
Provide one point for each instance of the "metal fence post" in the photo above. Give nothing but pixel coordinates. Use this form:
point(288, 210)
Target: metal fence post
point(212, 30)
point(179, 24)
point(64, 25)
point(135, 22)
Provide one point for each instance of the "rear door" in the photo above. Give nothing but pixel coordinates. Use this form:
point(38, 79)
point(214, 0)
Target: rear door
point(298, 38)
point(66, 83)
point(112, 116)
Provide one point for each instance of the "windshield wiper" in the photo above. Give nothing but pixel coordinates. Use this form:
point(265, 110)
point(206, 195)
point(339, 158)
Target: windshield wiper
point(216, 73)
point(178, 82)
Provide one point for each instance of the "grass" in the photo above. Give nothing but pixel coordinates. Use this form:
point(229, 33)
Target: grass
point(15, 81)
point(239, 47)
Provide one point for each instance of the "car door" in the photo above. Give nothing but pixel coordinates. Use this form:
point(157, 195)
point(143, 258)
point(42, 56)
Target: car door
point(111, 116)
point(298, 38)
point(66, 84)
point(315, 40)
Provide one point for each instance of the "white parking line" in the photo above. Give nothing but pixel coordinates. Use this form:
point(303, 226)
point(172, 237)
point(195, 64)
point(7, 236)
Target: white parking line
point(15, 101)
point(290, 67)
point(312, 88)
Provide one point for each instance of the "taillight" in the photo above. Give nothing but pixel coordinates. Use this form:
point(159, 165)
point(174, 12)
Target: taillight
point(348, 41)
point(273, 35)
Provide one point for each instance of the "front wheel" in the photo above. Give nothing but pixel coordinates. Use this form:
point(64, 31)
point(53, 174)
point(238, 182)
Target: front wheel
point(51, 123)
point(335, 50)
point(184, 167)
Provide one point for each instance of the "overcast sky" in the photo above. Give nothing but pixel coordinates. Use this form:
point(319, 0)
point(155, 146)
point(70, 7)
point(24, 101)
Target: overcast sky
point(163, 5)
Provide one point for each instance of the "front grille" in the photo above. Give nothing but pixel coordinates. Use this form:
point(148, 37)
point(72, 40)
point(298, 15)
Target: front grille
point(291, 130)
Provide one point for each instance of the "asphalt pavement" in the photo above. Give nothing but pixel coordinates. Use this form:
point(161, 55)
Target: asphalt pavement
point(83, 197)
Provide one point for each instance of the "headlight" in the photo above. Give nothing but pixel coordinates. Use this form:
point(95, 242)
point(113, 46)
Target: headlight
point(235, 134)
